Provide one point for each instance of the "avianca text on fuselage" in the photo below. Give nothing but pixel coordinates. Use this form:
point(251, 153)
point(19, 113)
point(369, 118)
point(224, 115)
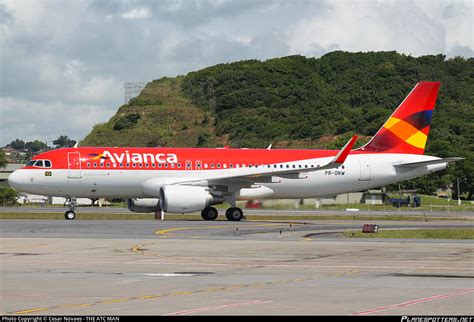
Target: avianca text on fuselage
point(143, 177)
point(126, 157)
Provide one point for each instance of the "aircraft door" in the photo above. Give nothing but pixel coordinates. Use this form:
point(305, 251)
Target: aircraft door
point(365, 169)
point(74, 165)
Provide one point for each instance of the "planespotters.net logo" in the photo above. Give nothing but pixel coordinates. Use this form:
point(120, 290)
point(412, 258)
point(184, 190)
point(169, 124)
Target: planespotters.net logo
point(437, 319)
point(126, 157)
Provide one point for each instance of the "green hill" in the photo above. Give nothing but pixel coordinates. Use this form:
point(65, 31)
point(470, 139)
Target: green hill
point(296, 102)
point(160, 116)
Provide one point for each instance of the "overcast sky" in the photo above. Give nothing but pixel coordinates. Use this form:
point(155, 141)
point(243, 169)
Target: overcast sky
point(63, 63)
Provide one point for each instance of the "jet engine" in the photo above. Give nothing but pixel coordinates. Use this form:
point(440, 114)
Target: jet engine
point(143, 204)
point(184, 199)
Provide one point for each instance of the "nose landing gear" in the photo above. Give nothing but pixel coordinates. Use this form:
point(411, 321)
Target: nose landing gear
point(72, 204)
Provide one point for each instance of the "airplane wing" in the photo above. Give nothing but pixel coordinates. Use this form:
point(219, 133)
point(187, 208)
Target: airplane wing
point(423, 163)
point(337, 161)
point(264, 174)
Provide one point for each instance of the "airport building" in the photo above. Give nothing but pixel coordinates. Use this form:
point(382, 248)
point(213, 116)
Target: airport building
point(5, 172)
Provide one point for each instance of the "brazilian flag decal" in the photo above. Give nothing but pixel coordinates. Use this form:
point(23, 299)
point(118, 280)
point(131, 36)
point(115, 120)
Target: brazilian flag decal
point(48, 173)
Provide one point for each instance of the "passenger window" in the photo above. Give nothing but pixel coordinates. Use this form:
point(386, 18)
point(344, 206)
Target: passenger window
point(231, 165)
point(88, 164)
point(134, 165)
point(172, 165)
point(95, 164)
point(179, 165)
point(218, 165)
point(121, 164)
point(166, 165)
point(159, 165)
point(128, 165)
point(212, 165)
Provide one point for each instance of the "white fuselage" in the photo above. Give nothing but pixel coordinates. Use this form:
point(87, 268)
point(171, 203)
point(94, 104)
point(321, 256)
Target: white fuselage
point(359, 172)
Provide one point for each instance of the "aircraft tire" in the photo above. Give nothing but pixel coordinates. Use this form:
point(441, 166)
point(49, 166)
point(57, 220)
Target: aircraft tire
point(234, 214)
point(209, 213)
point(70, 215)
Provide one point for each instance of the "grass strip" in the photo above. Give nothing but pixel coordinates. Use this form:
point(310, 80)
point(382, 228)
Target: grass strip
point(441, 233)
point(138, 216)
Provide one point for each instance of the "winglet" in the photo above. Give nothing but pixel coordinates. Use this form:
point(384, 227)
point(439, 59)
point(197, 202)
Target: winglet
point(344, 152)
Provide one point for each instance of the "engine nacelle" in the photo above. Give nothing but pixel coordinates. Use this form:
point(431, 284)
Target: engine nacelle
point(185, 199)
point(143, 205)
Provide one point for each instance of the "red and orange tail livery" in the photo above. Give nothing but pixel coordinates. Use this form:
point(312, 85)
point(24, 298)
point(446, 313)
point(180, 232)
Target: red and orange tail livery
point(406, 131)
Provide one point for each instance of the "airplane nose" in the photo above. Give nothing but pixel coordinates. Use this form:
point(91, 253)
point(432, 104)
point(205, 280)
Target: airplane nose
point(15, 180)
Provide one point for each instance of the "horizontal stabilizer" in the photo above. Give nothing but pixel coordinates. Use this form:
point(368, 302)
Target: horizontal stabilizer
point(423, 163)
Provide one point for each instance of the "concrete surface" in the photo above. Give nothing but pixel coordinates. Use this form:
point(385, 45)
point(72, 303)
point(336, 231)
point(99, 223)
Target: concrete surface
point(180, 268)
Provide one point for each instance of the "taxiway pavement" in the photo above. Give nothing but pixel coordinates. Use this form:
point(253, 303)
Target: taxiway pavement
point(226, 268)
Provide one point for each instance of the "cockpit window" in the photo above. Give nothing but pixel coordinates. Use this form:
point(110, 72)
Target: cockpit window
point(39, 163)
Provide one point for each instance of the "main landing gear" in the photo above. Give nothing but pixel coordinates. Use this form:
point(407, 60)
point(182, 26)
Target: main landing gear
point(72, 204)
point(232, 214)
point(209, 213)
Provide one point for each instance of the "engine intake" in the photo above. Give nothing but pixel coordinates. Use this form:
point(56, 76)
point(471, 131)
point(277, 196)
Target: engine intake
point(143, 205)
point(185, 199)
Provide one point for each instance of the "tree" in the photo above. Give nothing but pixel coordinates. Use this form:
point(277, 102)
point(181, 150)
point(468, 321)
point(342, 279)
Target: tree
point(64, 142)
point(3, 159)
point(8, 196)
point(36, 146)
point(17, 144)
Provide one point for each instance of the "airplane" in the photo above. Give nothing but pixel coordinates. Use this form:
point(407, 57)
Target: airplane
point(185, 180)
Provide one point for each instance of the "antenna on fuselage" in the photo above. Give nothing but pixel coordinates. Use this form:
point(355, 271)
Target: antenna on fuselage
point(76, 145)
point(270, 146)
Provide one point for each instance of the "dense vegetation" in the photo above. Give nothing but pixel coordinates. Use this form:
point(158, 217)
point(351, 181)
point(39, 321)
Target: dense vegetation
point(299, 102)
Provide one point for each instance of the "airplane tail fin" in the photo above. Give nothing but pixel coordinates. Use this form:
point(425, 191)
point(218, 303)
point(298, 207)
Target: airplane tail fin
point(406, 131)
